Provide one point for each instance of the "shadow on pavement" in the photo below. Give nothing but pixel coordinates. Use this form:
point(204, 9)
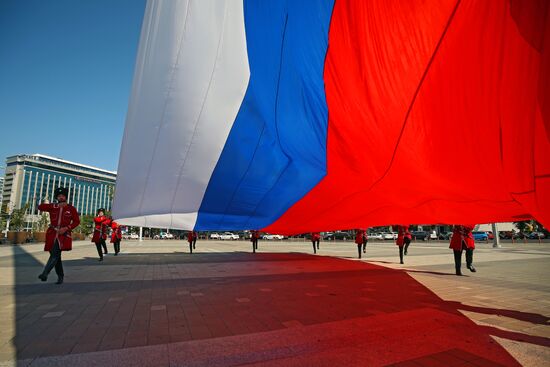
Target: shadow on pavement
point(137, 300)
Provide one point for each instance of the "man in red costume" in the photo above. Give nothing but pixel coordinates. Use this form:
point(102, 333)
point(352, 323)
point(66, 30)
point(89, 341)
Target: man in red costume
point(315, 239)
point(359, 239)
point(254, 236)
point(192, 239)
point(63, 219)
point(101, 222)
point(403, 240)
point(463, 240)
point(116, 236)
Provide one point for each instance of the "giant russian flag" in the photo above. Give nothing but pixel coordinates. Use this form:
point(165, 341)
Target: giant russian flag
point(299, 115)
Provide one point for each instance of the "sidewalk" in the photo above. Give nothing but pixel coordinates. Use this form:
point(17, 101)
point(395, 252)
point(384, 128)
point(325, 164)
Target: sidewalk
point(157, 305)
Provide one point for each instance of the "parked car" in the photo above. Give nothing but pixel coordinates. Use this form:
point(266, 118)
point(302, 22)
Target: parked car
point(375, 236)
point(506, 235)
point(490, 235)
point(134, 236)
point(480, 236)
point(228, 236)
point(214, 236)
point(536, 235)
point(420, 235)
point(338, 235)
point(389, 235)
point(270, 237)
point(433, 235)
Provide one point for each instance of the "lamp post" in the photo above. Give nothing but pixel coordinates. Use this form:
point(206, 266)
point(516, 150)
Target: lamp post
point(496, 239)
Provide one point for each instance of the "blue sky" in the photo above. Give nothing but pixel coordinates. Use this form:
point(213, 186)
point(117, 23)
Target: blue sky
point(66, 72)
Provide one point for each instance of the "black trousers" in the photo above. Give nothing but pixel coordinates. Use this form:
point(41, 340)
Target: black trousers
point(313, 242)
point(365, 245)
point(359, 245)
point(407, 243)
point(401, 254)
point(101, 247)
point(458, 257)
point(116, 245)
point(54, 261)
point(254, 245)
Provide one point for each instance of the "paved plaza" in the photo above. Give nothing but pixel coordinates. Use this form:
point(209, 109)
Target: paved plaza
point(157, 305)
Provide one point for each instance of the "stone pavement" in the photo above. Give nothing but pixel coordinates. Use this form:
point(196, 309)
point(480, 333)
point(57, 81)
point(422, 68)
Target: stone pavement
point(157, 305)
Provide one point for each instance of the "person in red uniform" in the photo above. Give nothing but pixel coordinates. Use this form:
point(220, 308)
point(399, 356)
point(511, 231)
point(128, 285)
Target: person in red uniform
point(315, 239)
point(403, 240)
point(101, 222)
point(254, 236)
point(192, 239)
point(63, 219)
point(359, 234)
point(365, 241)
point(463, 240)
point(116, 236)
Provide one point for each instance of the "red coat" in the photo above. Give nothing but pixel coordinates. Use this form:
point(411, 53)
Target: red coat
point(116, 235)
point(462, 233)
point(402, 233)
point(60, 216)
point(315, 236)
point(254, 235)
point(100, 228)
point(191, 235)
point(359, 233)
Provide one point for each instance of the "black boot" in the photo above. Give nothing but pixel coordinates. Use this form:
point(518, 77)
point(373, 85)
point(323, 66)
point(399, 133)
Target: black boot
point(43, 277)
point(401, 255)
point(472, 269)
point(59, 280)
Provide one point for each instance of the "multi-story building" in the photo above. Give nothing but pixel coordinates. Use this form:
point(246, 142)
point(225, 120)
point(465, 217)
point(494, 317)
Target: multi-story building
point(29, 179)
point(1, 187)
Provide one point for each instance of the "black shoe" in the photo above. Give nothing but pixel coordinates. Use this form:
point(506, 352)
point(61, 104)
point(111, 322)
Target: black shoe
point(116, 253)
point(43, 277)
point(472, 269)
point(364, 251)
point(459, 273)
point(405, 252)
point(193, 247)
point(401, 262)
point(59, 280)
point(100, 259)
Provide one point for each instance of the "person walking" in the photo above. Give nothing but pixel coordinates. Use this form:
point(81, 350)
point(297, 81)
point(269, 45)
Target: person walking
point(100, 232)
point(407, 238)
point(254, 236)
point(400, 241)
point(116, 236)
point(63, 219)
point(365, 241)
point(315, 239)
point(463, 240)
point(359, 234)
point(192, 239)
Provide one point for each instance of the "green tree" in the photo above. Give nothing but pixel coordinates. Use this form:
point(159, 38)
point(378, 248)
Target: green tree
point(17, 221)
point(86, 225)
point(43, 222)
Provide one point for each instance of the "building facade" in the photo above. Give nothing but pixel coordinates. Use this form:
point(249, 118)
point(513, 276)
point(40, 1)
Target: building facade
point(29, 179)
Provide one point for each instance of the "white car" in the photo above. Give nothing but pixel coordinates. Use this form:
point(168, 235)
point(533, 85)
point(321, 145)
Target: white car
point(389, 236)
point(167, 236)
point(229, 236)
point(375, 236)
point(134, 236)
point(270, 237)
point(433, 235)
point(214, 236)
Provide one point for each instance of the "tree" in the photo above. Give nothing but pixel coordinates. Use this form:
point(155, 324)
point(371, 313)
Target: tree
point(17, 220)
point(86, 225)
point(43, 222)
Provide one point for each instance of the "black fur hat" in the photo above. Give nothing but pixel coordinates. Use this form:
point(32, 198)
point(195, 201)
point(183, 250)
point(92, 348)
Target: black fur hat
point(61, 191)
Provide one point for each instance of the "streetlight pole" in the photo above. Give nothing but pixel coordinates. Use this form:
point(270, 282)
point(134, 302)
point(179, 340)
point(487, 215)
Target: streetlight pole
point(496, 239)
